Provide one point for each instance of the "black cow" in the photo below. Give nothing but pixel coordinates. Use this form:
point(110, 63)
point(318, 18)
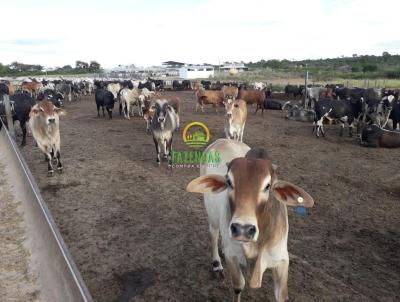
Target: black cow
point(57, 98)
point(21, 104)
point(272, 104)
point(127, 84)
point(206, 84)
point(395, 114)
point(104, 98)
point(159, 84)
point(268, 93)
point(149, 85)
point(293, 90)
point(4, 89)
point(343, 111)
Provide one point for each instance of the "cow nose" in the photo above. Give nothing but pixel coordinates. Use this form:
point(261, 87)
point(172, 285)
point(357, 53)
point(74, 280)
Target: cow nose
point(160, 119)
point(243, 230)
point(229, 114)
point(52, 120)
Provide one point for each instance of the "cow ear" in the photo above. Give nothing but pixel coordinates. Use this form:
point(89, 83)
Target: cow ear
point(59, 111)
point(207, 183)
point(291, 195)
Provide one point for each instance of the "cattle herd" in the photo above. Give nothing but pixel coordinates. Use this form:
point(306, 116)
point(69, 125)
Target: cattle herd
point(369, 110)
point(239, 192)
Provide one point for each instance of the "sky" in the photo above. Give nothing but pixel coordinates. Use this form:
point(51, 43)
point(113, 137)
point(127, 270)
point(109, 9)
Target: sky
point(144, 32)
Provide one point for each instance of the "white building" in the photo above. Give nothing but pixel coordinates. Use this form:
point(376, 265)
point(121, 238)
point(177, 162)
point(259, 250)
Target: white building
point(196, 71)
point(233, 67)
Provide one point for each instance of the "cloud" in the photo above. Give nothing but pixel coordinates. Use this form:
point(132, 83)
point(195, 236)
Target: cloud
point(147, 33)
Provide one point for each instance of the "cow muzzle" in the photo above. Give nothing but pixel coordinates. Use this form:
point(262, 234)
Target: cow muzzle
point(51, 120)
point(243, 232)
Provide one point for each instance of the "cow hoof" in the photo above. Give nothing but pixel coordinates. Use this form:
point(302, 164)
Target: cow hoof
point(60, 170)
point(50, 173)
point(217, 269)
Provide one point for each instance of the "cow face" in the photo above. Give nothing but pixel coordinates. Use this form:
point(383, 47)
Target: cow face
point(161, 111)
point(249, 182)
point(230, 106)
point(47, 112)
point(230, 92)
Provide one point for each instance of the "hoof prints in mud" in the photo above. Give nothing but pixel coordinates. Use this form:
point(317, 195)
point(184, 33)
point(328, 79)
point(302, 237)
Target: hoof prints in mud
point(54, 188)
point(134, 283)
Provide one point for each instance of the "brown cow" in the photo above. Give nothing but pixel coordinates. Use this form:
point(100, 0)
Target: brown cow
point(253, 96)
point(246, 203)
point(230, 92)
point(235, 119)
point(32, 88)
point(375, 136)
point(209, 97)
point(45, 127)
point(326, 93)
point(11, 88)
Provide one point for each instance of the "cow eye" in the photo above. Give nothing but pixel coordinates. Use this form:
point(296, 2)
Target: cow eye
point(267, 187)
point(229, 183)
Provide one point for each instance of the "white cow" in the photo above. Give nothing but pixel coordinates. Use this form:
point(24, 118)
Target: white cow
point(45, 127)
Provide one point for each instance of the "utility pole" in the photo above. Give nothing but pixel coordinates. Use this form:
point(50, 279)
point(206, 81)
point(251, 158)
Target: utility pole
point(9, 118)
point(305, 88)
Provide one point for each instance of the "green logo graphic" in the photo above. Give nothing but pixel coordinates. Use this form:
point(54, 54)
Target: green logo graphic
point(196, 135)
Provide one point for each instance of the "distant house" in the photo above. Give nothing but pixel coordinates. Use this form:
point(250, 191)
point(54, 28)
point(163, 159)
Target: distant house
point(196, 71)
point(172, 64)
point(233, 67)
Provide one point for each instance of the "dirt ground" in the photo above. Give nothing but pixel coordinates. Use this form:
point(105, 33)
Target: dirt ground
point(129, 224)
point(18, 281)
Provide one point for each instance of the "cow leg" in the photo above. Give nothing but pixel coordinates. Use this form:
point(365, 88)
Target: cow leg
point(257, 107)
point(165, 145)
point(216, 260)
point(109, 113)
point(49, 159)
point(69, 97)
point(128, 109)
point(120, 108)
point(23, 127)
point(169, 150)
point(59, 165)
point(177, 122)
point(322, 129)
point(241, 133)
point(102, 108)
point(238, 280)
point(280, 277)
point(98, 110)
point(341, 128)
point(350, 121)
point(157, 150)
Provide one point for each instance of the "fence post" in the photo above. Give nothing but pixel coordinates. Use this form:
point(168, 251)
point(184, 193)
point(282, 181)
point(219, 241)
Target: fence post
point(9, 118)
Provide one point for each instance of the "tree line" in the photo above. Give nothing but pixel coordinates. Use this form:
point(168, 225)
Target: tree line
point(356, 66)
point(22, 69)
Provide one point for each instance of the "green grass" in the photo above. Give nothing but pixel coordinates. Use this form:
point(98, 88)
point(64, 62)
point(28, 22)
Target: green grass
point(279, 79)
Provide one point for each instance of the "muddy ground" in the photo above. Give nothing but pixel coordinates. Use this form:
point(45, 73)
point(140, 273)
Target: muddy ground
point(130, 224)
